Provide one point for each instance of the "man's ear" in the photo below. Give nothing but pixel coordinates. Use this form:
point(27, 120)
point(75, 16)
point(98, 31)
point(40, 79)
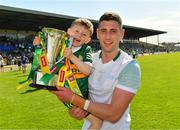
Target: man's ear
point(88, 40)
point(122, 34)
point(97, 33)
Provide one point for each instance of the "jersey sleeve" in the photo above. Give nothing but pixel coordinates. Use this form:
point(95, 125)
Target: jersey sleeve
point(130, 77)
point(88, 55)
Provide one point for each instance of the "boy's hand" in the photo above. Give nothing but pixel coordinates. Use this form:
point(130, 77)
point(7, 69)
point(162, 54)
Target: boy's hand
point(68, 53)
point(77, 113)
point(36, 41)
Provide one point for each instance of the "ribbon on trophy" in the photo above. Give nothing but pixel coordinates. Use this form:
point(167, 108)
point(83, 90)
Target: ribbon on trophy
point(66, 79)
point(66, 74)
point(43, 58)
point(65, 42)
point(50, 42)
point(63, 67)
point(36, 62)
point(35, 66)
point(51, 49)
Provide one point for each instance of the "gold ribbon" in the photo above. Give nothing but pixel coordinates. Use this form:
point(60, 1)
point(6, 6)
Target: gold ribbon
point(66, 74)
point(77, 73)
point(44, 64)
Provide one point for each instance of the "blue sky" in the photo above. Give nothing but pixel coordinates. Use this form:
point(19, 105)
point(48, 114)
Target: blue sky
point(153, 14)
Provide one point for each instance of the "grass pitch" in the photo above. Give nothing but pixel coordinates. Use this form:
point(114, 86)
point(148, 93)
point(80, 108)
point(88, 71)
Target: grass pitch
point(34, 110)
point(156, 105)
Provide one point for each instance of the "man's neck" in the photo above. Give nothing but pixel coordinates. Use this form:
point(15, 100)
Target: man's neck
point(108, 56)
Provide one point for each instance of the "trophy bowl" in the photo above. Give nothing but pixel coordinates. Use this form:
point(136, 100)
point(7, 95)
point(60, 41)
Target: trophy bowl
point(54, 40)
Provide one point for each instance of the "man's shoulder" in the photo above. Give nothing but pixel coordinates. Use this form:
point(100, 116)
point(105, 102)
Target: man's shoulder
point(125, 55)
point(130, 77)
point(133, 65)
point(124, 58)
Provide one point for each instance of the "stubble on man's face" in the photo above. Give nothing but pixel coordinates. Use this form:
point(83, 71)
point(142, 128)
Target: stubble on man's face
point(109, 35)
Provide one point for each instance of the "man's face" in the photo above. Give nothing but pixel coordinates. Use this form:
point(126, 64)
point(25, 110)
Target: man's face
point(109, 35)
point(80, 34)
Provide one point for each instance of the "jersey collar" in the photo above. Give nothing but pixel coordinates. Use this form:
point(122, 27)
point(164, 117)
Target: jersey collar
point(115, 58)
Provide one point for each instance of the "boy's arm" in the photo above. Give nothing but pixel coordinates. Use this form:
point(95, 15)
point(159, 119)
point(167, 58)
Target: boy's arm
point(83, 67)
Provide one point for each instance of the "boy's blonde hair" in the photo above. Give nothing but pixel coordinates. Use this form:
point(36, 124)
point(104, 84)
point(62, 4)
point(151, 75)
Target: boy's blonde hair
point(84, 22)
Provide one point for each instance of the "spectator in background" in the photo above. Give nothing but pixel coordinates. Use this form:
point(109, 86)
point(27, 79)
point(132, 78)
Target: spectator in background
point(23, 61)
point(1, 63)
point(19, 62)
point(10, 61)
point(133, 54)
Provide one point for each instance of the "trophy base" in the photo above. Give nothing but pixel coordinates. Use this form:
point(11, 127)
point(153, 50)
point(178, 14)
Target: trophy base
point(39, 84)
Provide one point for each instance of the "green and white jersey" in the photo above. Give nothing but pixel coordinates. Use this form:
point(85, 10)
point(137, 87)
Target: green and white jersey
point(84, 54)
point(122, 72)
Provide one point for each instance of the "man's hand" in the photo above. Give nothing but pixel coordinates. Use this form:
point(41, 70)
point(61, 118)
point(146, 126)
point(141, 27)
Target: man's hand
point(63, 94)
point(77, 113)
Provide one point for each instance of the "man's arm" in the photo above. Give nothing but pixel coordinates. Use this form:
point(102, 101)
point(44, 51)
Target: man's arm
point(111, 112)
point(128, 83)
point(124, 92)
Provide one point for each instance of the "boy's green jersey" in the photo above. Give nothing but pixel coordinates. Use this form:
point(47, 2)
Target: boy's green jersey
point(84, 54)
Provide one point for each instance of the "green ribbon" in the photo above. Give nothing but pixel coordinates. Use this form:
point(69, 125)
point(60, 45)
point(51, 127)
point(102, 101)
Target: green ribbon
point(54, 70)
point(42, 38)
point(35, 65)
point(36, 62)
point(66, 42)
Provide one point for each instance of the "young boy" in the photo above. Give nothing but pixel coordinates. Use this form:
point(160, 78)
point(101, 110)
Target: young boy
point(81, 30)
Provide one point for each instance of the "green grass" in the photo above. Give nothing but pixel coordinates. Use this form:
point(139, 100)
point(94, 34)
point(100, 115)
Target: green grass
point(34, 110)
point(156, 105)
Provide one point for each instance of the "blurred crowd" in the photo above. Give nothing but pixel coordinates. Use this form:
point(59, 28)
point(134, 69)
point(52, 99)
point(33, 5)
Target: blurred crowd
point(19, 51)
point(15, 51)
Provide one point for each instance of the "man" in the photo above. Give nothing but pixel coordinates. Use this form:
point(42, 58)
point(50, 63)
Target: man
point(23, 62)
point(113, 82)
point(1, 63)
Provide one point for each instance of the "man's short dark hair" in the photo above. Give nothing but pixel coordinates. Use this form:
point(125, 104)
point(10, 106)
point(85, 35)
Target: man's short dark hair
point(111, 16)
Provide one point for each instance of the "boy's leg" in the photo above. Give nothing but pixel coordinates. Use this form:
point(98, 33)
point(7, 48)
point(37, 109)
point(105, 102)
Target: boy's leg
point(96, 123)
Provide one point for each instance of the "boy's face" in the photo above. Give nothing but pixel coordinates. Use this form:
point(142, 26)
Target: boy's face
point(80, 34)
